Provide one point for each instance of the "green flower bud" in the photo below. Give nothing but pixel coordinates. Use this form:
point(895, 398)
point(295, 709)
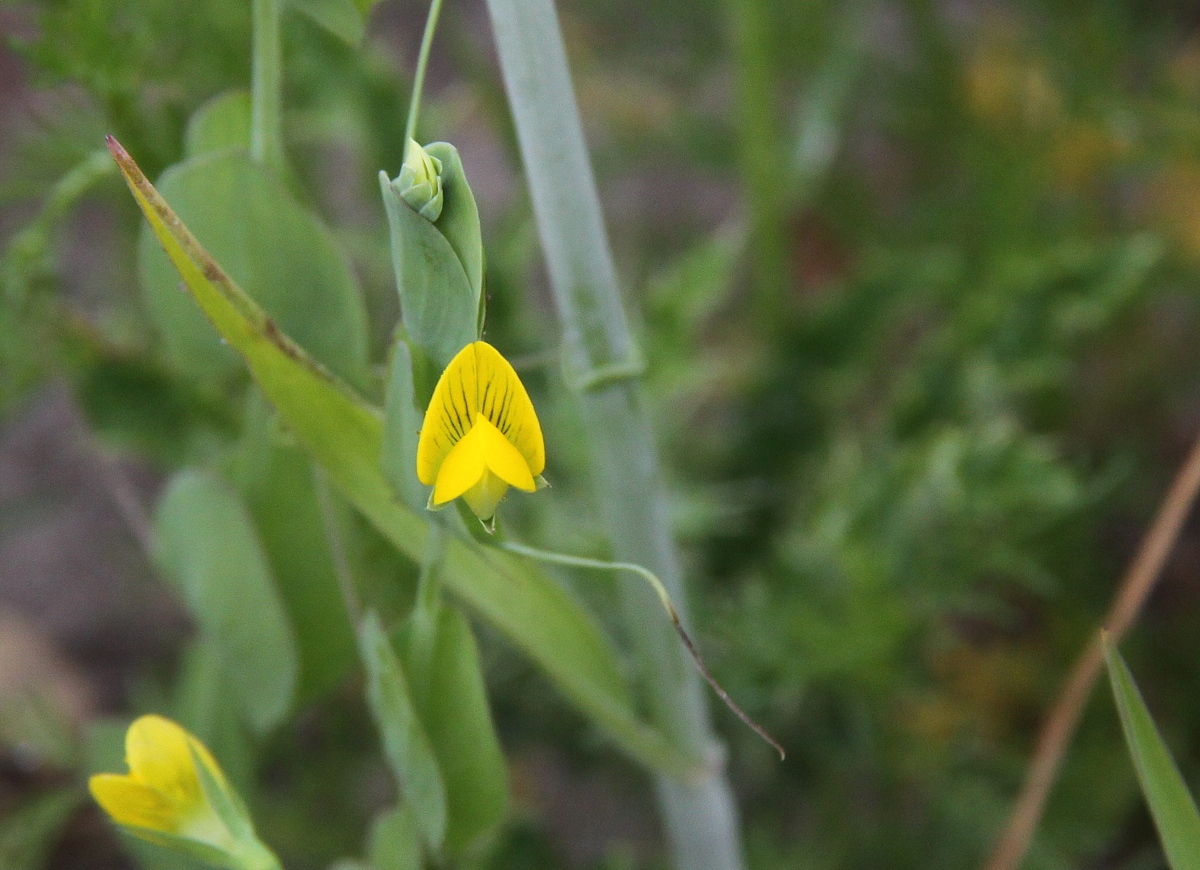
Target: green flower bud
point(420, 181)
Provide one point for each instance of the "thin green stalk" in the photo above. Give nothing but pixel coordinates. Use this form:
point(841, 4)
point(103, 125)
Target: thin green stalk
point(668, 607)
point(601, 361)
point(414, 105)
point(762, 158)
point(266, 92)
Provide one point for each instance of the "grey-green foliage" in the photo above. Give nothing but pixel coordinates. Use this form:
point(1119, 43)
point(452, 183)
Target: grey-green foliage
point(272, 246)
point(210, 547)
point(440, 654)
point(406, 741)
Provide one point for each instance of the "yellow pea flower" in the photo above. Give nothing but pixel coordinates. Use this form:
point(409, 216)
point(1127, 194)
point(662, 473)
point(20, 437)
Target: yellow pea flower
point(481, 434)
point(176, 795)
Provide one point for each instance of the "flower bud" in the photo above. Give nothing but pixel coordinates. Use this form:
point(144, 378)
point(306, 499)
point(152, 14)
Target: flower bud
point(420, 181)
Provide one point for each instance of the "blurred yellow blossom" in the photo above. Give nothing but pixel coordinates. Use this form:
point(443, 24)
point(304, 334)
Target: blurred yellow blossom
point(175, 795)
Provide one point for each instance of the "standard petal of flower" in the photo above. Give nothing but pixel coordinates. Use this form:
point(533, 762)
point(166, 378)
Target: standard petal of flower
point(504, 401)
point(158, 754)
point(450, 415)
point(462, 468)
point(133, 803)
point(503, 458)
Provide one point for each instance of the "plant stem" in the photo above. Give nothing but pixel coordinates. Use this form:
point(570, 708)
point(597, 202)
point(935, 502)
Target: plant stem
point(414, 104)
point(762, 158)
point(266, 92)
point(600, 361)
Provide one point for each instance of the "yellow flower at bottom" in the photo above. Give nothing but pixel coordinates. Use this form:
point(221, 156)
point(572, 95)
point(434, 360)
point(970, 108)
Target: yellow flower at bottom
point(163, 792)
point(481, 434)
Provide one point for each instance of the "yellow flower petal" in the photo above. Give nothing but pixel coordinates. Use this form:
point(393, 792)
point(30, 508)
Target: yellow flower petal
point(502, 457)
point(462, 468)
point(478, 381)
point(130, 802)
point(158, 753)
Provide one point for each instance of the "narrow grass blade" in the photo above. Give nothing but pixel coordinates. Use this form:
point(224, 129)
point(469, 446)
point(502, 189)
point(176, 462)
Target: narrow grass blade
point(1167, 795)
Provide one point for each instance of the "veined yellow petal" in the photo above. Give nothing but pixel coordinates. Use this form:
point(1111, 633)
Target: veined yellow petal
point(504, 401)
point(502, 457)
point(450, 415)
point(462, 468)
point(485, 495)
point(157, 752)
point(134, 803)
point(478, 382)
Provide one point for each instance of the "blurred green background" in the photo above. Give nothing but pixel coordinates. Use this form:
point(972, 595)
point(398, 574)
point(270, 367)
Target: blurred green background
point(917, 287)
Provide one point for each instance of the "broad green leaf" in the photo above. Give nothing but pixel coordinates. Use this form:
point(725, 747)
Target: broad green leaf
point(452, 701)
point(1167, 795)
point(342, 18)
point(343, 434)
point(222, 122)
point(272, 246)
point(459, 220)
point(392, 843)
point(405, 740)
point(200, 702)
point(438, 306)
point(208, 544)
point(283, 501)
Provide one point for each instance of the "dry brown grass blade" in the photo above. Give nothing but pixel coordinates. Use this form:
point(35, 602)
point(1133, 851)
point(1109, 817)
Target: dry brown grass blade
point(1060, 725)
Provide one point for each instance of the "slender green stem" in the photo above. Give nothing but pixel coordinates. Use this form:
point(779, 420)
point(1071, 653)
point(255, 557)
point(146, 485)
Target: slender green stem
point(29, 246)
point(699, 816)
point(761, 157)
point(266, 93)
point(667, 604)
point(414, 105)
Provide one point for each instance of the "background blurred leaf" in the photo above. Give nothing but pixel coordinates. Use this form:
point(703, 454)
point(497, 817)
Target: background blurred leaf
point(405, 739)
point(342, 18)
point(222, 122)
point(392, 843)
point(273, 246)
point(448, 690)
point(1166, 793)
point(209, 545)
point(282, 499)
point(27, 834)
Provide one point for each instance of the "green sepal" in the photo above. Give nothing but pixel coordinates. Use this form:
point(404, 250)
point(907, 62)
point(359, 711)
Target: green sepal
point(438, 306)
point(183, 846)
point(459, 220)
